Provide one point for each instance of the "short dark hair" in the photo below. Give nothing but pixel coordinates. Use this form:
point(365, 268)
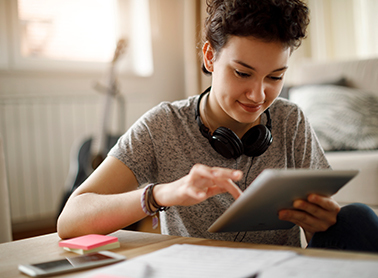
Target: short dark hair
point(285, 21)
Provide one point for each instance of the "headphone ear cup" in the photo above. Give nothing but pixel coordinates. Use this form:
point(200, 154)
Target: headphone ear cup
point(227, 143)
point(256, 140)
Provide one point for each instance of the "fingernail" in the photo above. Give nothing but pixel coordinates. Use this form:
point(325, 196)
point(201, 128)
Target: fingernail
point(201, 194)
point(216, 173)
point(236, 174)
point(312, 198)
point(297, 203)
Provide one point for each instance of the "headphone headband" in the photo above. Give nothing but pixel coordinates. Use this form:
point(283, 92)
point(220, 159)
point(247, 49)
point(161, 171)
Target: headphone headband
point(205, 131)
point(254, 142)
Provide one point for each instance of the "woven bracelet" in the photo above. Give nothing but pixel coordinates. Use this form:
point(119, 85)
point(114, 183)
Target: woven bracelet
point(146, 208)
point(151, 200)
point(145, 200)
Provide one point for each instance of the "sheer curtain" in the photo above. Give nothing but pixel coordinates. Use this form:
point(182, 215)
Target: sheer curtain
point(194, 16)
point(343, 29)
point(339, 30)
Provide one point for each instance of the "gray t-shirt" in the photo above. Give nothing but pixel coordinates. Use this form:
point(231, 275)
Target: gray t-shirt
point(165, 143)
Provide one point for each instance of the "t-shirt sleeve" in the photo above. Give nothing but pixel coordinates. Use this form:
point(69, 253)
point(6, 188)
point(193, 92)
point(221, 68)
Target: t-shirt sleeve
point(137, 147)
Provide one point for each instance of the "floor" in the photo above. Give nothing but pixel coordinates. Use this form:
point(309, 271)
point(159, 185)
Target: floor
point(31, 233)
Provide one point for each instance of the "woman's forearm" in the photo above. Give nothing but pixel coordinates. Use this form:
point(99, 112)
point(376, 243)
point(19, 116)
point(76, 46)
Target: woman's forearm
point(99, 213)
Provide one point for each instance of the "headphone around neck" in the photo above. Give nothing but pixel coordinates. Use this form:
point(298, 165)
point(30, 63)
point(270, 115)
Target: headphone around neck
point(254, 142)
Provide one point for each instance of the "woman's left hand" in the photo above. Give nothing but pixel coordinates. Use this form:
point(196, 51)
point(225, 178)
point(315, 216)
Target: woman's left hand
point(316, 214)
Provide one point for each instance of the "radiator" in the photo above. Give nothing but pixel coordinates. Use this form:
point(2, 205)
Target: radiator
point(39, 133)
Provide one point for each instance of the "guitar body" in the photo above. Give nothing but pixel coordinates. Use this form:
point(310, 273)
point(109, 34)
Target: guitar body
point(81, 165)
point(81, 169)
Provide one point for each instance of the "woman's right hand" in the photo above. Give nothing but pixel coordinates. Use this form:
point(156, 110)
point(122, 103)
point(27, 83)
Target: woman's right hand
point(201, 183)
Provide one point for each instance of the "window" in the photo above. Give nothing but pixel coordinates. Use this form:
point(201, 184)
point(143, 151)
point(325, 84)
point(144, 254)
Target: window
point(77, 30)
point(80, 34)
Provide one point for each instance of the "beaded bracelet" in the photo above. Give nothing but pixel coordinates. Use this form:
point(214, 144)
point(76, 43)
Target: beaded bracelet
point(146, 199)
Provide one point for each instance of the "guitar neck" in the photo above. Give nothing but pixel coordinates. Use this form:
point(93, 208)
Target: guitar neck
point(100, 141)
point(99, 144)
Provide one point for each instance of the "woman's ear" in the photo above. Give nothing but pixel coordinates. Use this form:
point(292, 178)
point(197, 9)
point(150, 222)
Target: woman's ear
point(208, 56)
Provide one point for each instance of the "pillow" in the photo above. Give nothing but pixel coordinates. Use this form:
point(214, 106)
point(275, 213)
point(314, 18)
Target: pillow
point(340, 82)
point(343, 118)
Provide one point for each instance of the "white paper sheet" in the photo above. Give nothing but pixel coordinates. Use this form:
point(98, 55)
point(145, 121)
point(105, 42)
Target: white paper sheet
point(195, 261)
point(309, 267)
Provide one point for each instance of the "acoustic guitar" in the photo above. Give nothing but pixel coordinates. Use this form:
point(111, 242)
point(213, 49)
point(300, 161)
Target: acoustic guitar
point(93, 151)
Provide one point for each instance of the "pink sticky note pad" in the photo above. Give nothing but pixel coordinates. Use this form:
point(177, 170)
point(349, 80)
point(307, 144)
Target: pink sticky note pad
point(88, 242)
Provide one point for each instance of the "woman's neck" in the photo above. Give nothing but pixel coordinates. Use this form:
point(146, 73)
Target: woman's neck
point(213, 121)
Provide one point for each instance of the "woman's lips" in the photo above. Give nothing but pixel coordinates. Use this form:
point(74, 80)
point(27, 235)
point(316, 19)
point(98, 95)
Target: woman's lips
point(251, 108)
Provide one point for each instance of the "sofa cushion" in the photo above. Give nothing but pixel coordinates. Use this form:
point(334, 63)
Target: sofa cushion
point(364, 187)
point(361, 73)
point(343, 118)
point(339, 82)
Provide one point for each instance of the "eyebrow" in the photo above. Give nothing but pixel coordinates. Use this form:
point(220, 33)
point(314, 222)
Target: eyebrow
point(252, 68)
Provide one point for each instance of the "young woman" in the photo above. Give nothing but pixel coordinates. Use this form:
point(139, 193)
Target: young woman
point(197, 155)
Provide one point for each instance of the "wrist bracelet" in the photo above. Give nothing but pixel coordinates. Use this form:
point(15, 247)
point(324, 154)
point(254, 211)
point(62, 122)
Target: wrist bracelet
point(152, 201)
point(143, 201)
point(146, 200)
point(146, 208)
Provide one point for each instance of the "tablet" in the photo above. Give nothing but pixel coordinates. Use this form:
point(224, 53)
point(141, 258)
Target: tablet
point(274, 189)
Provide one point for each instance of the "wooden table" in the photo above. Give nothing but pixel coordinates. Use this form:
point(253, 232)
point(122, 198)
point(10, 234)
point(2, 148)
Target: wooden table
point(133, 244)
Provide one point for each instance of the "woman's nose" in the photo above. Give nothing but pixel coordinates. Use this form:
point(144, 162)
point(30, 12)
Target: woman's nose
point(256, 92)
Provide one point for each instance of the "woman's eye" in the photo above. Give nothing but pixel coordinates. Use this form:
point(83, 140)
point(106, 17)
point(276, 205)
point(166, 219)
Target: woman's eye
point(242, 74)
point(276, 78)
